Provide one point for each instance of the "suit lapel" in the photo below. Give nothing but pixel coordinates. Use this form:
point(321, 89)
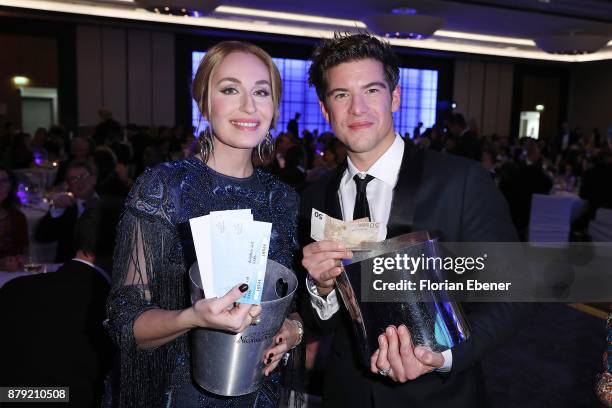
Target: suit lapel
point(403, 205)
point(332, 201)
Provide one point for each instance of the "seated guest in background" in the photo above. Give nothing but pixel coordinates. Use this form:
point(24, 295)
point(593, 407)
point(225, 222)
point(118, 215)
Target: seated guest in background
point(520, 181)
point(53, 334)
point(81, 149)
point(466, 142)
point(294, 172)
point(38, 145)
point(339, 150)
point(56, 143)
point(20, 155)
point(283, 143)
point(13, 224)
point(58, 224)
point(109, 182)
point(6, 140)
point(108, 130)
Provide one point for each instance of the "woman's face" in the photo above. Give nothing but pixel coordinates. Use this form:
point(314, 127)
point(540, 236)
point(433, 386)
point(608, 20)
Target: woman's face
point(241, 101)
point(5, 185)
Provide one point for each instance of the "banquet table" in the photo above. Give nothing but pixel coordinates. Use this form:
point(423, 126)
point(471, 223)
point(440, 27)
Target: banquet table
point(552, 216)
point(7, 276)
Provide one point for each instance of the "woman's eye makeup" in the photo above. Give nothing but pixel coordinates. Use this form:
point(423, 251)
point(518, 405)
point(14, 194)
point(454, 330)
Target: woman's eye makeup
point(229, 91)
point(262, 92)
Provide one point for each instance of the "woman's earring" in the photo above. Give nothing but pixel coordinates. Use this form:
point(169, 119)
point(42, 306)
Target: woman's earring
point(265, 149)
point(206, 145)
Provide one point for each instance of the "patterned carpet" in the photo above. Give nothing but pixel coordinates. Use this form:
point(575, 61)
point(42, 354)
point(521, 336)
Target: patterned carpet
point(551, 362)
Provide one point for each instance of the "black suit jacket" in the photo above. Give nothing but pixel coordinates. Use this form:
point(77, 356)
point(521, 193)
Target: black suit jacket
point(52, 332)
point(456, 198)
point(60, 229)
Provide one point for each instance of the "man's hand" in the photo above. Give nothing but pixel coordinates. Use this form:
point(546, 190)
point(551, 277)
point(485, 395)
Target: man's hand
point(63, 200)
point(322, 260)
point(397, 356)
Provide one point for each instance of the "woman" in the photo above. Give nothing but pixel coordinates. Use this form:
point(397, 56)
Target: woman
point(237, 88)
point(13, 224)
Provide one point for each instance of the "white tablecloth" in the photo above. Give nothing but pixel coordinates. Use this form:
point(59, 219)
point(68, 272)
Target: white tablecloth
point(552, 216)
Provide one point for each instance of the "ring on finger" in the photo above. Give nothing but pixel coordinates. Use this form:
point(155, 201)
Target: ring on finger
point(255, 320)
point(384, 371)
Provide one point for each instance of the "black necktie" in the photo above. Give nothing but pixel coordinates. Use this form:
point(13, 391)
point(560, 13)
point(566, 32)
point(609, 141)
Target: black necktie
point(362, 209)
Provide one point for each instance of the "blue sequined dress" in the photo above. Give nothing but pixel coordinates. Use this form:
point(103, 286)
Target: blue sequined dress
point(153, 253)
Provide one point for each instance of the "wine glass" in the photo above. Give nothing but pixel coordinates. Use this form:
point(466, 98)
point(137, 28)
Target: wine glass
point(33, 266)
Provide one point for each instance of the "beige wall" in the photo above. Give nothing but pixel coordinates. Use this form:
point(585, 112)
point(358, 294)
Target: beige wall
point(483, 92)
point(590, 102)
point(30, 56)
point(129, 72)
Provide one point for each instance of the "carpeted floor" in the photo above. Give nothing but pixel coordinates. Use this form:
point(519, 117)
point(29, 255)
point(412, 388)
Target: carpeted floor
point(552, 362)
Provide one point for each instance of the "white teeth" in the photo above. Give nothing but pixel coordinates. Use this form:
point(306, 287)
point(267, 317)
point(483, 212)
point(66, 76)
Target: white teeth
point(245, 124)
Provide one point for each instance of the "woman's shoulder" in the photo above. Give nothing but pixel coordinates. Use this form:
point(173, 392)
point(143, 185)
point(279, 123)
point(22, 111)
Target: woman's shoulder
point(282, 197)
point(275, 185)
point(152, 191)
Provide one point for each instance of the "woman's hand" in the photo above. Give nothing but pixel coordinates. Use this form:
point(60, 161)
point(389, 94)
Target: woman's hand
point(287, 338)
point(223, 313)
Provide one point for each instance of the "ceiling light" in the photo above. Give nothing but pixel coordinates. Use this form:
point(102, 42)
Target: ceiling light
point(572, 44)
point(20, 80)
point(277, 15)
point(442, 41)
point(179, 7)
point(539, 108)
point(413, 26)
point(485, 38)
point(404, 11)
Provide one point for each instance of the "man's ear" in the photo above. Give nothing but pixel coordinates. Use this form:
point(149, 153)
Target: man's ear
point(396, 97)
point(324, 111)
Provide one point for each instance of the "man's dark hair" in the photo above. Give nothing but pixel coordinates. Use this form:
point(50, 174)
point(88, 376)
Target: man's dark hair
point(456, 119)
point(87, 165)
point(347, 47)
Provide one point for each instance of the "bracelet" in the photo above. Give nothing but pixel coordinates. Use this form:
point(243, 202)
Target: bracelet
point(300, 328)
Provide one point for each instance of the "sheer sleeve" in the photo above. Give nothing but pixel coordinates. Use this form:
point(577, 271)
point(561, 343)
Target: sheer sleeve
point(147, 274)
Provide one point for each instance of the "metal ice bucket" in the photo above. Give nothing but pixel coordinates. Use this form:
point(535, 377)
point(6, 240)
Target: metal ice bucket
point(231, 364)
point(433, 319)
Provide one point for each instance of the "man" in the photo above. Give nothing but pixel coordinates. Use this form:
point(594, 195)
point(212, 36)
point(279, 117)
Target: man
point(466, 142)
point(81, 149)
point(58, 224)
point(293, 126)
point(406, 189)
point(52, 333)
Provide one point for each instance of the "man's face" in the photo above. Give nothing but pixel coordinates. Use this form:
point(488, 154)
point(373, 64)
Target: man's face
point(81, 183)
point(359, 106)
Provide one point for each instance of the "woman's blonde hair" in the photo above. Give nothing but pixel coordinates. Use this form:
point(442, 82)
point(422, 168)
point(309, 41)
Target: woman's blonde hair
point(202, 82)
